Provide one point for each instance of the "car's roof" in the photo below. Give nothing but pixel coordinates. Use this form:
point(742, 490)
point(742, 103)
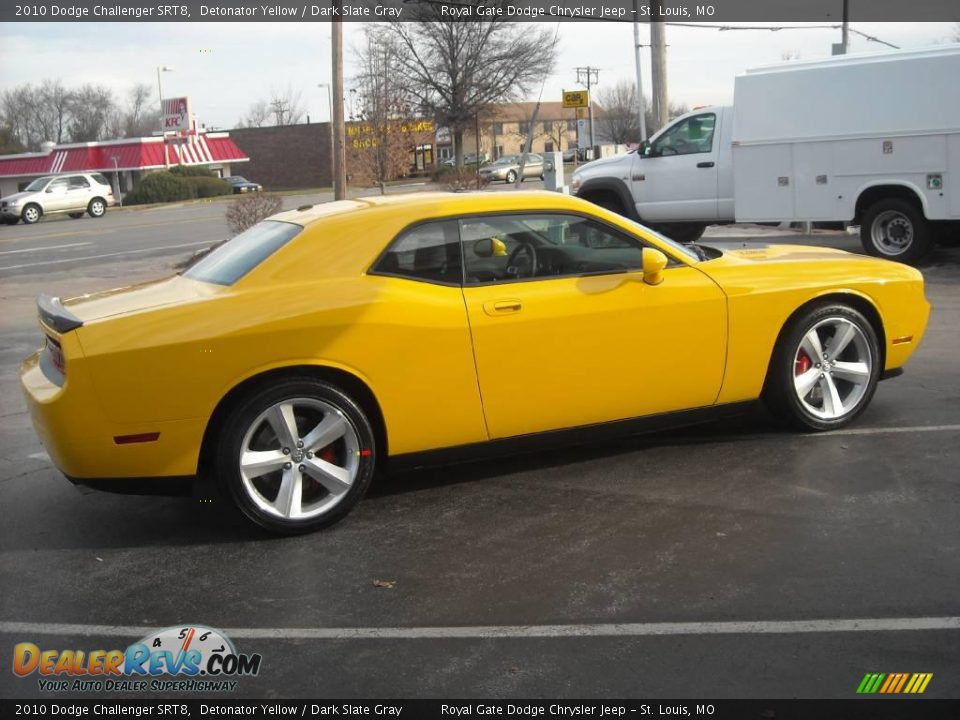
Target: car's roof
point(436, 204)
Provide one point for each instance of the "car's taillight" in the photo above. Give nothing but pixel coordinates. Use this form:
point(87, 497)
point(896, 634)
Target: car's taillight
point(56, 355)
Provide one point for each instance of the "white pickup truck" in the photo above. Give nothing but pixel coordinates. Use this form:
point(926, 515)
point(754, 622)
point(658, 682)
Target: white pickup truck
point(869, 140)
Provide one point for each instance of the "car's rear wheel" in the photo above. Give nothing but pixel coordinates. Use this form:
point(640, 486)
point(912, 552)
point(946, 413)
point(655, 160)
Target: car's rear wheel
point(31, 214)
point(97, 208)
point(683, 232)
point(897, 230)
point(76, 215)
point(511, 177)
point(824, 369)
point(296, 455)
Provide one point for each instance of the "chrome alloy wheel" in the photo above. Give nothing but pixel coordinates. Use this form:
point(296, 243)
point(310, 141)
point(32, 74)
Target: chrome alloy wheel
point(31, 214)
point(892, 232)
point(832, 368)
point(299, 458)
point(97, 208)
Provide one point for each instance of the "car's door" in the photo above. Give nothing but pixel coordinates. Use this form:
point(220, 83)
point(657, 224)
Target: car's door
point(78, 192)
point(56, 196)
point(570, 335)
point(533, 166)
point(676, 180)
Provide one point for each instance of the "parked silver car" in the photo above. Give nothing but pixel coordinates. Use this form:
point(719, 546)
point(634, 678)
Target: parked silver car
point(507, 168)
point(72, 194)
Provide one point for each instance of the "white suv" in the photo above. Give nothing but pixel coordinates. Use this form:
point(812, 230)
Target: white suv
point(71, 194)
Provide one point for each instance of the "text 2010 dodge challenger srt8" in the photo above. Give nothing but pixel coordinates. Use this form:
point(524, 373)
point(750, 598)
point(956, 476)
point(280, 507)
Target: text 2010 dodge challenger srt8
point(293, 359)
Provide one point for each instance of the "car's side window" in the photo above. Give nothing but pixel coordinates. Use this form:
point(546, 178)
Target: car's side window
point(78, 182)
point(100, 178)
point(58, 185)
point(503, 248)
point(429, 252)
point(690, 137)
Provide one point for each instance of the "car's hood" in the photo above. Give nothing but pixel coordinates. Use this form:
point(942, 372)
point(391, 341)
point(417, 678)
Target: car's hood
point(594, 165)
point(762, 252)
point(136, 298)
point(16, 196)
point(746, 264)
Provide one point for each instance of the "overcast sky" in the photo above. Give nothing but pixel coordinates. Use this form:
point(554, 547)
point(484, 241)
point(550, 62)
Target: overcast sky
point(224, 67)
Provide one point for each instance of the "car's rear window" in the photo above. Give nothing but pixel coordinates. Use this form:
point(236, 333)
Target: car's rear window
point(102, 179)
point(239, 255)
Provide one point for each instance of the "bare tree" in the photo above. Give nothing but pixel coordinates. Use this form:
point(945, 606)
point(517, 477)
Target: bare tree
point(35, 114)
point(91, 107)
point(378, 147)
point(141, 116)
point(257, 116)
point(619, 121)
point(456, 68)
point(51, 109)
point(9, 142)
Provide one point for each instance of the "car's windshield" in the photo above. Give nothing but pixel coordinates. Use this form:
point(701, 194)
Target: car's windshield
point(236, 179)
point(39, 184)
point(679, 247)
point(509, 160)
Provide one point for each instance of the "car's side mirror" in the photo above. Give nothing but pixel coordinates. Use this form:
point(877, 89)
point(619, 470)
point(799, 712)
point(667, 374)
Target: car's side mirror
point(49, 190)
point(654, 262)
point(490, 247)
point(644, 149)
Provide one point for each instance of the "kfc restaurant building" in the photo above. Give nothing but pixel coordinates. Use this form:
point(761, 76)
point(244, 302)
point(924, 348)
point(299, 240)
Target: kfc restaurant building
point(123, 161)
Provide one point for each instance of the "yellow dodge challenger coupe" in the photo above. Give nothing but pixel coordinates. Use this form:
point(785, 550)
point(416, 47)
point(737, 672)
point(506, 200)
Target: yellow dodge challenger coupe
point(292, 360)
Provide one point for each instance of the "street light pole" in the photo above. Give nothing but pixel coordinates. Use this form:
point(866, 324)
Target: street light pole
point(333, 168)
point(163, 130)
point(641, 111)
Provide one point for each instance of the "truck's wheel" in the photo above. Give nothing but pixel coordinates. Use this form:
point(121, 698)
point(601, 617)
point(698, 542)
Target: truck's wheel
point(897, 230)
point(683, 232)
point(608, 201)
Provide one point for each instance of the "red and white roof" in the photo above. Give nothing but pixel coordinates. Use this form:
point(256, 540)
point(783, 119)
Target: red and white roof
point(132, 154)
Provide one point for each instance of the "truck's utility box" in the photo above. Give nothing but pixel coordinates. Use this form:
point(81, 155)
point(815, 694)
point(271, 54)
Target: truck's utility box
point(811, 138)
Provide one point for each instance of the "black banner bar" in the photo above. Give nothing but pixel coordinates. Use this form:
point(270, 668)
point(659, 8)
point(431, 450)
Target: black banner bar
point(685, 11)
point(854, 709)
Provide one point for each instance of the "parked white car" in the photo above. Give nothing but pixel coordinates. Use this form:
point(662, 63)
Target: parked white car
point(72, 194)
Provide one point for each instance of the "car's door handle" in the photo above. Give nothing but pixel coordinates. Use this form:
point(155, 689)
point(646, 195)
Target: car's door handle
point(501, 307)
point(705, 165)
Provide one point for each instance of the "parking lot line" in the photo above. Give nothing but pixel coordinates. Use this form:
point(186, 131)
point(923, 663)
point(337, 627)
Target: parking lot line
point(106, 255)
point(759, 627)
point(50, 247)
point(886, 430)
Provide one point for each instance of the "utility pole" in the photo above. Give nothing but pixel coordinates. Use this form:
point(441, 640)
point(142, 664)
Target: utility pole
point(339, 159)
point(641, 110)
point(589, 76)
point(658, 67)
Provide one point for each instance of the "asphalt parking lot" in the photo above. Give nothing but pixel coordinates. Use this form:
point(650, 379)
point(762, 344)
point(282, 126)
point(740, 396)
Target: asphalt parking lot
point(723, 561)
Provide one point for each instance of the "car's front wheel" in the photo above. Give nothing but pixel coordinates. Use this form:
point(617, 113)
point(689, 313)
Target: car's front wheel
point(824, 369)
point(511, 177)
point(97, 208)
point(31, 214)
point(296, 455)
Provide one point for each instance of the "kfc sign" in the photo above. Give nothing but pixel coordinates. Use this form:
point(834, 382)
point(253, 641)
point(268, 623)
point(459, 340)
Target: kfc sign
point(176, 114)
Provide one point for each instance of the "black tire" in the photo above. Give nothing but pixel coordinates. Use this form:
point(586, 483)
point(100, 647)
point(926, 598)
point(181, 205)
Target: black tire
point(511, 177)
point(889, 217)
point(779, 391)
point(11, 220)
point(97, 208)
point(31, 214)
point(230, 440)
point(683, 232)
point(76, 215)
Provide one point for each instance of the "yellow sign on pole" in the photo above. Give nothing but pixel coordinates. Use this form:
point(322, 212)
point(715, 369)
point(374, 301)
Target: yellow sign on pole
point(575, 99)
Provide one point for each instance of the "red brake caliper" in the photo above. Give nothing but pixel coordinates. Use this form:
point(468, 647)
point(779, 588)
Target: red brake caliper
point(802, 364)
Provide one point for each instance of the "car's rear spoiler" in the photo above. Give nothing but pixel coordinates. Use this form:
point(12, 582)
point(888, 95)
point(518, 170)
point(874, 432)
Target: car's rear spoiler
point(54, 315)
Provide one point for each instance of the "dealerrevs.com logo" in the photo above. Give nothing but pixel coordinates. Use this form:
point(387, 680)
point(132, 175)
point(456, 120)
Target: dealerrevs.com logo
point(197, 658)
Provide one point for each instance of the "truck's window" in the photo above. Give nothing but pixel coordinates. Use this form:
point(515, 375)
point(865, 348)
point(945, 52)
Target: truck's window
point(688, 137)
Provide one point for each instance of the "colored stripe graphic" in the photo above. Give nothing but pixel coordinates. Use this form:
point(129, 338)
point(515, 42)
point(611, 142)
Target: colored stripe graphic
point(894, 683)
